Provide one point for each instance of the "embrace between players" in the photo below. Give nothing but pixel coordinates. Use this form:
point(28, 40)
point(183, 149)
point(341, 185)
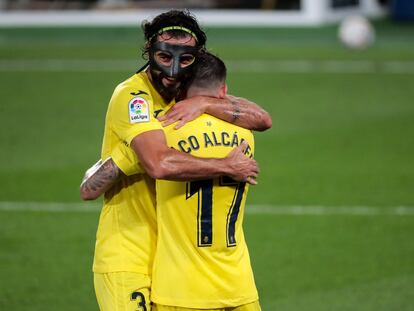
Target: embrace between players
point(175, 178)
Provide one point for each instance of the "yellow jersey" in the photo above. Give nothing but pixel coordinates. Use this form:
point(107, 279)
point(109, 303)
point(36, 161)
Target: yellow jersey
point(126, 235)
point(202, 260)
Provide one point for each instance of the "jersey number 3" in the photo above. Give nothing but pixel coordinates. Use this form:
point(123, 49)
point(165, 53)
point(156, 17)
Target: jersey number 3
point(204, 189)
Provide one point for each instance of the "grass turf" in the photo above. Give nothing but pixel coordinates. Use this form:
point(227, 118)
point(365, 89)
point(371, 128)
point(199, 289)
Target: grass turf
point(338, 139)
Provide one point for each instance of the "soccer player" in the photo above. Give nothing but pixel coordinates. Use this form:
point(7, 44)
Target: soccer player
point(201, 260)
point(126, 236)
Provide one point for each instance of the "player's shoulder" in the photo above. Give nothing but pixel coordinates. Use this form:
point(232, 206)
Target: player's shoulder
point(135, 88)
point(215, 122)
point(136, 85)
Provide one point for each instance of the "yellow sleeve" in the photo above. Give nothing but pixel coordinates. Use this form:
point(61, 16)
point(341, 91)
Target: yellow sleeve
point(126, 159)
point(131, 115)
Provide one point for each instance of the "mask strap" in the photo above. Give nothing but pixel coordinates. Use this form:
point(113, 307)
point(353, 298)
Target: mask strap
point(142, 68)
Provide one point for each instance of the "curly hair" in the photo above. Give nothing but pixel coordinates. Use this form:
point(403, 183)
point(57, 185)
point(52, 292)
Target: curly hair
point(172, 18)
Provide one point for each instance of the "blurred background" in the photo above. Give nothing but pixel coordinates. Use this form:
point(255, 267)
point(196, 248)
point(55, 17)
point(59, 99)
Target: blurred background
point(330, 225)
point(190, 4)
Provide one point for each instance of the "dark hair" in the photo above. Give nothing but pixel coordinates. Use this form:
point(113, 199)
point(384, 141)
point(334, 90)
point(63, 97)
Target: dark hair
point(210, 72)
point(172, 18)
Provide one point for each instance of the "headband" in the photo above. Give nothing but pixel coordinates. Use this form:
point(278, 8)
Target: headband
point(174, 28)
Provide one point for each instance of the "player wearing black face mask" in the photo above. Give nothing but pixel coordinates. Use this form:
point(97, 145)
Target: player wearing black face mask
point(171, 64)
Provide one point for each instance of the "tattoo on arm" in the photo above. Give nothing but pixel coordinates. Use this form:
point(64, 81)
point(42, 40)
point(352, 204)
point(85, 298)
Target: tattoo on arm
point(236, 110)
point(239, 111)
point(101, 179)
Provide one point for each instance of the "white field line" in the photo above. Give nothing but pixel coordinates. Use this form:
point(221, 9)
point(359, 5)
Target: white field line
point(242, 66)
point(207, 17)
point(57, 207)
point(329, 210)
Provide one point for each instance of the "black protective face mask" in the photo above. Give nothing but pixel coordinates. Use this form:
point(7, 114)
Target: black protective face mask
point(159, 71)
point(177, 53)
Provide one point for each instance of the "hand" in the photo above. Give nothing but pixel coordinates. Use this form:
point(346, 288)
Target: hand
point(242, 168)
point(184, 111)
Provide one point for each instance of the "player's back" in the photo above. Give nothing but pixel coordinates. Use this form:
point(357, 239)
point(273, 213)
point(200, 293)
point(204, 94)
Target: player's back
point(202, 259)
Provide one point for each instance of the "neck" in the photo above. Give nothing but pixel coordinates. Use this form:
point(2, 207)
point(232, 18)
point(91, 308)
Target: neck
point(192, 92)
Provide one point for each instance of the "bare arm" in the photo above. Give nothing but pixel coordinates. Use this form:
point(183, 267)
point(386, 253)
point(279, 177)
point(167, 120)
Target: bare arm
point(162, 162)
point(236, 110)
point(99, 178)
point(240, 111)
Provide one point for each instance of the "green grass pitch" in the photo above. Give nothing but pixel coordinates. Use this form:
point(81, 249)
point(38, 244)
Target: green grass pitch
point(343, 136)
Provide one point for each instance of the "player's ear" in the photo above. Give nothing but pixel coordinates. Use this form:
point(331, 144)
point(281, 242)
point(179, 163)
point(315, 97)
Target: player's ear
point(223, 90)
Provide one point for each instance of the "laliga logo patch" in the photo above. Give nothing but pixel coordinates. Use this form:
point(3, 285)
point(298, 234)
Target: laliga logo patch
point(138, 110)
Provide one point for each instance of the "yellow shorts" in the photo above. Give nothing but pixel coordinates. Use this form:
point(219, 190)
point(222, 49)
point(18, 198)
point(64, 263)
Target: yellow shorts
point(122, 291)
point(254, 306)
